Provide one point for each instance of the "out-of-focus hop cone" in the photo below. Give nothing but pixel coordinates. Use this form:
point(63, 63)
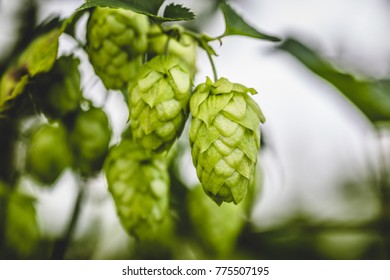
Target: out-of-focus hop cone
point(117, 40)
point(183, 46)
point(218, 227)
point(48, 153)
point(139, 184)
point(58, 92)
point(225, 138)
point(90, 136)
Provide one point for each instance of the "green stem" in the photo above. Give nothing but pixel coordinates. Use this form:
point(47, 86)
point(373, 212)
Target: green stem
point(3, 224)
point(384, 189)
point(212, 66)
point(61, 245)
point(208, 49)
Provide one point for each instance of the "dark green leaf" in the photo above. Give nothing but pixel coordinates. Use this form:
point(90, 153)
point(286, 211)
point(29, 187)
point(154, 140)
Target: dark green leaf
point(235, 25)
point(372, 97)
point(149, 8)
point(179, 12)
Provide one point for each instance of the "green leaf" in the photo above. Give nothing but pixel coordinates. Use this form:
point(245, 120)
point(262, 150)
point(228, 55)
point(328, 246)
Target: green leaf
point(372, 97)
point(149, 8)
point(235, 25)
point(179, 12)
point(38, 57)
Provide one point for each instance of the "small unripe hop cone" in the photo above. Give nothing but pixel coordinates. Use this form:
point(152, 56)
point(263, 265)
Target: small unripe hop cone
point(116, 43)
point(225, 138)
point(139, 185)
point(158, 102)
point(183, 46)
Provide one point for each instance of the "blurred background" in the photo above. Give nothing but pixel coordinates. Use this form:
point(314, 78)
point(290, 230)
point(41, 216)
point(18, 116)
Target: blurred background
point(323, 172)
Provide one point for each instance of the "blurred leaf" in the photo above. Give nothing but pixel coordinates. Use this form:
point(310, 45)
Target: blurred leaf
point(38, 57)
point(178, 12)
point(236, 25)
point(372, 97)
point(149, 8)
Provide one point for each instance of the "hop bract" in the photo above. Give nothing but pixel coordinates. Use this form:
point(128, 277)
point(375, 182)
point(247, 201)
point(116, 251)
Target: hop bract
point(225, 138)
point(139, 185)
point(158, 102)
point(117, 40)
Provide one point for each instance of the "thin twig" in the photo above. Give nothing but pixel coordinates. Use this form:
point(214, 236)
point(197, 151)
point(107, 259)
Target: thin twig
point(61, 245)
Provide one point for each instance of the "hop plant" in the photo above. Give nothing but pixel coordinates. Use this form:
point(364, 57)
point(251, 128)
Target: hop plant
point(89, 138)
point(48, 153)
point(139, 185)
point(158, 102)
point(182, 45)
point(225, 138)
point(58, 92)
point(116, 43)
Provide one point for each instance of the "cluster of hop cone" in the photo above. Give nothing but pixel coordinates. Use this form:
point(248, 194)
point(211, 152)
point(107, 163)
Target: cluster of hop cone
point(155, 70)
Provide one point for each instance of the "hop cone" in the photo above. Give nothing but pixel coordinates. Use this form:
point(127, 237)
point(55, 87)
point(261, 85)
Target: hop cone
point(182, 46)
point(217, 227)
point(48, 153)
point(159, 102)
point(116, 42)
point(89, 137)
point(58, 92)
point(225, 138)
point(139, 185)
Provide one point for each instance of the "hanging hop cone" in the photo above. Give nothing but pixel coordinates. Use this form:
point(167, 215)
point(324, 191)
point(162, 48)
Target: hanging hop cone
point(210, 222)
point(58, 92)
point(225, 138)
point(158, 102)
point(48, 153)
point(181, 45)
point(89, 137)
point(116, 43)
point(139, 185)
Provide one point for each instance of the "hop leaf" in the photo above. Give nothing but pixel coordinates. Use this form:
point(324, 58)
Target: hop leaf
point(159, 102)
point(225, 138)
point(116, 43)
point(139, 185)
point(89, 138)
point(38, 57)
point(58, 92)
point(48, 153)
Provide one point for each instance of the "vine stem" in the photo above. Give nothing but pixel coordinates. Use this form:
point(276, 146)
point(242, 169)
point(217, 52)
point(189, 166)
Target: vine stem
point(61, 245)
point(385, 196)
point(209, 55)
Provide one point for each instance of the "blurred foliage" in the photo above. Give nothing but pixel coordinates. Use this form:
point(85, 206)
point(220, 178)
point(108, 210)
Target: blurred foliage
point(371, 97)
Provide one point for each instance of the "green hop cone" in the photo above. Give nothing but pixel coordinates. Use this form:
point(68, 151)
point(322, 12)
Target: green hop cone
point(58, 92)
point(182, 45)
point(116, 43)
point(89, 137)
point(225, 138)
point(159, 102)
point(48, 153)
point(139, 184)
point(217, 227)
